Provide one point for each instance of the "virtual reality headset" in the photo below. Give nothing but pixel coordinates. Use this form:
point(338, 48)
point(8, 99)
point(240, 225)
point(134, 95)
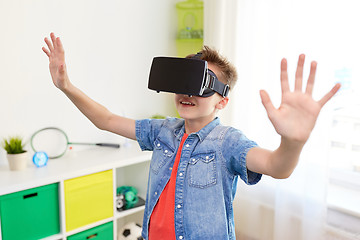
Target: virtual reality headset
point(189, 76)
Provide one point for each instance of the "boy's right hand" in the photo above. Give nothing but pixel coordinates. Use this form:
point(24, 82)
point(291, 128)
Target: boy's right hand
point(57, 65)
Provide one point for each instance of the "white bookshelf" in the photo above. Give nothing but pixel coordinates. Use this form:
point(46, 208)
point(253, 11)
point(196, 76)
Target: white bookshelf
point(130, 167)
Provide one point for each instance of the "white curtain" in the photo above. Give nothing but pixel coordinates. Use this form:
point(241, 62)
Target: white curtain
point(221, 32)
point(256, 35)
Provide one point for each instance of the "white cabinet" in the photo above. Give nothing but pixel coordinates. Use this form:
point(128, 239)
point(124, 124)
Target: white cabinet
point(82, 176)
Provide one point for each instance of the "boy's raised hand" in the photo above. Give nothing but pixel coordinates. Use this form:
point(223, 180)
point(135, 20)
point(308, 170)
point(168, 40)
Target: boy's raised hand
point(55, 52)
point(295, 118)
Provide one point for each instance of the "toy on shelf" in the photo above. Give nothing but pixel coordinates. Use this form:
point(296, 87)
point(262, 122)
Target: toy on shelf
point(126, 197)
point(55, 142)
point(131, 231)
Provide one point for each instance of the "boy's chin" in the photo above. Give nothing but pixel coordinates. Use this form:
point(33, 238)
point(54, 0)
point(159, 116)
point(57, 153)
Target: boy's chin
point(186, 115)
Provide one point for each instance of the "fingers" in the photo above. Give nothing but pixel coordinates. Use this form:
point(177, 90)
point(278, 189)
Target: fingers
point(329, 95)
point(299, 76)
point(311, 80)
point(46, 51)
point(49, 44)
point(265, 99)
point(284, 77)
point(53, 39)
point(299, 73)
point(54, 45)
point(59, 45)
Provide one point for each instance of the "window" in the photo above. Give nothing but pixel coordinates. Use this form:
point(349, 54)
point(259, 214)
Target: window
point(326, 32)
point(344, 155)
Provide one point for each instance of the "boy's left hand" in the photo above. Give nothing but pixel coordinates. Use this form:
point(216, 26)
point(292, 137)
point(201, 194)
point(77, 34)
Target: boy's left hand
point(295, 118)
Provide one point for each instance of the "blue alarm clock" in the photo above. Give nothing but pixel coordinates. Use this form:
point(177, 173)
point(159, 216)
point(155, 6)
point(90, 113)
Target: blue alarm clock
point(40, 159)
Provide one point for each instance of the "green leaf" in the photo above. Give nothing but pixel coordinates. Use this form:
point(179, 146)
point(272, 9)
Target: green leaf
point(13, 145)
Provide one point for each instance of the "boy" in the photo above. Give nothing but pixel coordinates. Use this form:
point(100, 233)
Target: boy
point(196, 160)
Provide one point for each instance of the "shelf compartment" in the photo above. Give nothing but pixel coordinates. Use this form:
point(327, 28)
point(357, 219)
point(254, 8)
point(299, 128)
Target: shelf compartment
point(88, 199)
point(129, 212)
point(135, 175)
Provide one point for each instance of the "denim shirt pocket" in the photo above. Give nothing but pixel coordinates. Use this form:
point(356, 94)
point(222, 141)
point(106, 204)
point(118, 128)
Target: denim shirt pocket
point(202, 170)
point(162, 154)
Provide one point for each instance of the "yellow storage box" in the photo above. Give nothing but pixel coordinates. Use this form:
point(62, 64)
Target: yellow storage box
point(88, 199)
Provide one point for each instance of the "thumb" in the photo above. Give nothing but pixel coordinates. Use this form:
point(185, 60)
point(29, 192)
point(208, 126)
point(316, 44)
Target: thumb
point(61, 69)
point(265, 99)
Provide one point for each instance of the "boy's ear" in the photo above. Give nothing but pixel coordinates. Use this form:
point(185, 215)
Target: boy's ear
point(222, 103)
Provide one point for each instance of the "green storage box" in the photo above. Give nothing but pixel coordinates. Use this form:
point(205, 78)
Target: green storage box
point(102, 232)
point(30, 214)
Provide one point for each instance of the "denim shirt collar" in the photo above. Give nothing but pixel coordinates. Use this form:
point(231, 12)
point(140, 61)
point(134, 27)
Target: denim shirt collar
point(180, 130)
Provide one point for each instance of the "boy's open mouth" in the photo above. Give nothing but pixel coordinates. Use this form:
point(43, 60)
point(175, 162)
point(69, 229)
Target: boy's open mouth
point(187, 103)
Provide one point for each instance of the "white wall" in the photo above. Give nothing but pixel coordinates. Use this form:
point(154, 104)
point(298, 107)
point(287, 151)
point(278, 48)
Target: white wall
point(109, 46)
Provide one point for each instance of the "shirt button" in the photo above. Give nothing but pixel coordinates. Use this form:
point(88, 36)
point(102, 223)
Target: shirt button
point(170, 168)
point(181, 237)
point(155, 193)
point(207, 157)
point(180, 174)
point(179, 206)
point(187, 145)
point(158, 145)
point(166, 151)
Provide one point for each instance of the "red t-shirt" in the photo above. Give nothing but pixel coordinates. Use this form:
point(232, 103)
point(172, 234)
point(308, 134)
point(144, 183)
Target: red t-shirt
point(162, 224)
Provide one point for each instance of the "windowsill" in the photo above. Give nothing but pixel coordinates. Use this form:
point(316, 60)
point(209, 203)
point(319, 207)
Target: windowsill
point(344, 192)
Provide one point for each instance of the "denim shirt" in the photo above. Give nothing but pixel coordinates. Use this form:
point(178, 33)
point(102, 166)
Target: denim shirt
point(210, 163)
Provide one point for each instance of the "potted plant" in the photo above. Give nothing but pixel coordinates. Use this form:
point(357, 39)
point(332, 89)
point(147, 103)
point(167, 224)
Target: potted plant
point(16, 155)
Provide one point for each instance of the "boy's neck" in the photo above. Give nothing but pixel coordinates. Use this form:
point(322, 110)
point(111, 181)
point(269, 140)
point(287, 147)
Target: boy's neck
point(193, 126)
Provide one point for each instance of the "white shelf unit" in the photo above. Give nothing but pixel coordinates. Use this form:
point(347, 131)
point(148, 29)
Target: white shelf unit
point(135, 175)
point(130, 166)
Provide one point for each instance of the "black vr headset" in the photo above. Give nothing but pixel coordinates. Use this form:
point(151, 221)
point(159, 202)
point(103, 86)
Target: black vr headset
point(189, 76)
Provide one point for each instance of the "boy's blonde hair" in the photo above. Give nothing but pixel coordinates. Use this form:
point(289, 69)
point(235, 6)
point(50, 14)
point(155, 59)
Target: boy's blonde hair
point(228, 74)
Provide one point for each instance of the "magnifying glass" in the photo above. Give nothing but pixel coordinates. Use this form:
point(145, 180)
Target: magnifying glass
point(55, 142)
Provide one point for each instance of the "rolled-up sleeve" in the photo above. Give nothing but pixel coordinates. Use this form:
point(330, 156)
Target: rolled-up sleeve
point(146, 131)
point(234, 149)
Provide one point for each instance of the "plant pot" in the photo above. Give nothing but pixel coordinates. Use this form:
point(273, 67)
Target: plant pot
point(18, 161)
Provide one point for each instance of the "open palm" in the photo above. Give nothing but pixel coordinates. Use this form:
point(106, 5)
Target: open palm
point(298, 111)
point(57, 66)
